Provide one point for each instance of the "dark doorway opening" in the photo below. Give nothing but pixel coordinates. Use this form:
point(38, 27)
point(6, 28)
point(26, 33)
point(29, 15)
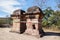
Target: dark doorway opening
point(22, 25)
point(34, 27)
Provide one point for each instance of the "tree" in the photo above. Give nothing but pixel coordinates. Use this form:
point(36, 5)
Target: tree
point(57, 14)
point(49, 17)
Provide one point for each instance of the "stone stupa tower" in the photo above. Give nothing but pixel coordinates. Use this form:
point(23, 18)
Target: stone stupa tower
point(16, 18)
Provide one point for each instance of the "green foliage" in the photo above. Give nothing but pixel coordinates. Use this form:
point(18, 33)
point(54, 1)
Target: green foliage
point(5, 20)
point(51, 18)
point(2, 22)
point(45, 22)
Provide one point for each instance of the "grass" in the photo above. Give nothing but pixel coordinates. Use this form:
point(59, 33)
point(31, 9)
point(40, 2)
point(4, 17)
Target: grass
point(52, 28)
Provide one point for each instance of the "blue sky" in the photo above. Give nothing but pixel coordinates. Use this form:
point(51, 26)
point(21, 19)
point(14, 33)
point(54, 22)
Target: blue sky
point(8, 6)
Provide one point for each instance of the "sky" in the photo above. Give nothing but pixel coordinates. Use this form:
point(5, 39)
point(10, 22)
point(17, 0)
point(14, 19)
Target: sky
point(8, 6)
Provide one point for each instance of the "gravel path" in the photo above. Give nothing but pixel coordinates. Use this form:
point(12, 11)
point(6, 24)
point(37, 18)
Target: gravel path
point(6, 35)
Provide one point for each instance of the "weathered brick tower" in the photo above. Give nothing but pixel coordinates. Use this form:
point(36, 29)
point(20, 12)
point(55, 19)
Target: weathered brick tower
point(34, 17)
point(16, 16)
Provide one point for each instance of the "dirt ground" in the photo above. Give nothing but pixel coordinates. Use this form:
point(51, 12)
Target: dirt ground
point(6, 35)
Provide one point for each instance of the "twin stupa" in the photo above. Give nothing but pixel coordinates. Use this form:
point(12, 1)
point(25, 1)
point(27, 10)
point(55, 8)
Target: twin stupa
point(29, 22)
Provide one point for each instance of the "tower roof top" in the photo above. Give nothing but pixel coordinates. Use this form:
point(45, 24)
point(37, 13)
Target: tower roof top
point(18, 12)
point(33, 9)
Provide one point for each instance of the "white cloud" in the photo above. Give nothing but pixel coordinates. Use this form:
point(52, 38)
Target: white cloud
point(8, 5)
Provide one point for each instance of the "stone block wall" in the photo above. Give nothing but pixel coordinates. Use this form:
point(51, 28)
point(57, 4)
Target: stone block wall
point(16, 25)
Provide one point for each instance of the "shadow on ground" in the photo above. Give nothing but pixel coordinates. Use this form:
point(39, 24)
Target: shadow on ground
point(4, 26)
point(52, 34)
